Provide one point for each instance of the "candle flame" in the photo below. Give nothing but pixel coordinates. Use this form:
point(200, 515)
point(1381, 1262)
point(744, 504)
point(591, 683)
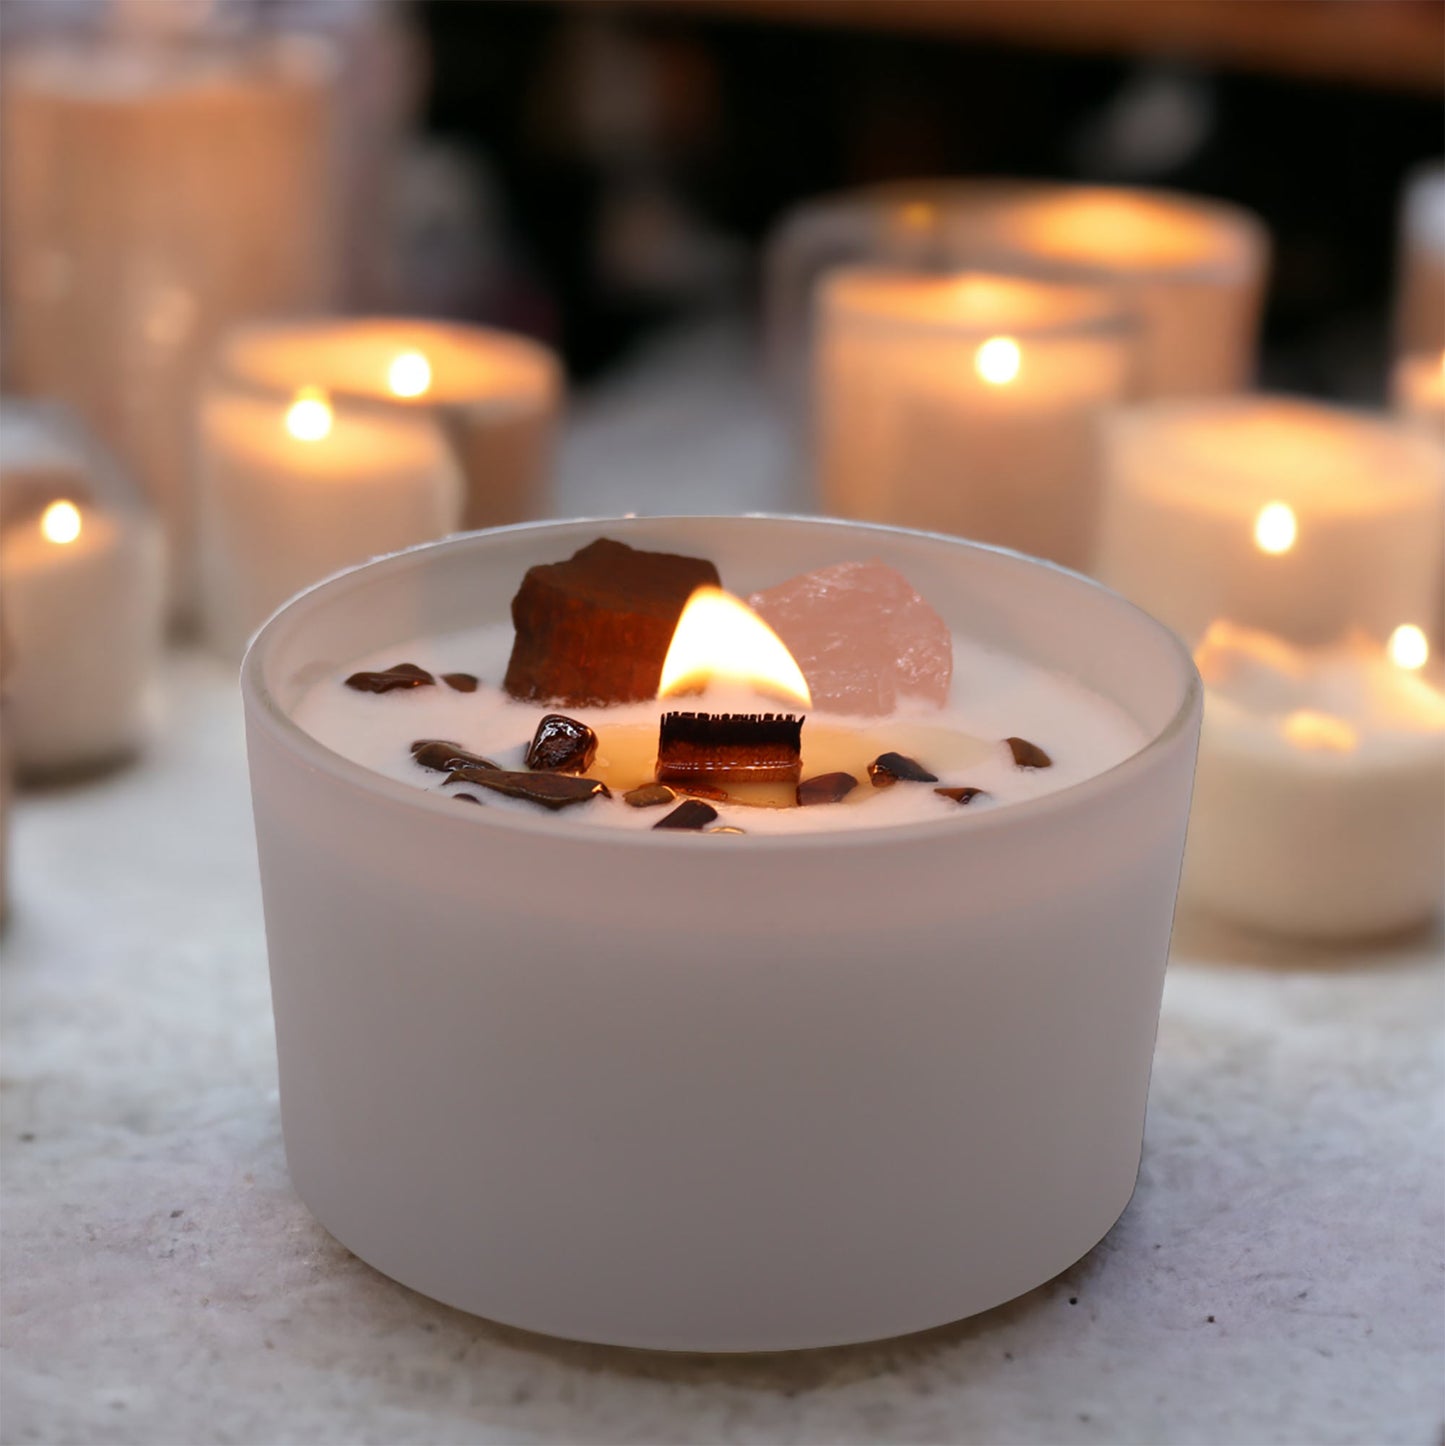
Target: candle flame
point(1275, 529)
point(60, 522)
point(1408, 647)
point(410, 374)
point(998, 360)
point(720, 637)
point(309, 416)
point(1320, 732)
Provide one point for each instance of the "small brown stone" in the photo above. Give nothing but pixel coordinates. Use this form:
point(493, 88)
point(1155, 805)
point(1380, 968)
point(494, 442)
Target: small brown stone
point(551, 790)
point(826, 788)
point(562, 745)
point(442, 757)
point(650, 795)
point(399, 675)
point(962, 795)
point(461, 682)
point(1028, 755)
point(691, 813)
point(465, 797)
point(889, 768)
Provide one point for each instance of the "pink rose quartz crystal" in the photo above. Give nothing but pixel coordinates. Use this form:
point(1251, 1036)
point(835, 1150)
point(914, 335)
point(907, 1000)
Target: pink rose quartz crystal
point(862, 636)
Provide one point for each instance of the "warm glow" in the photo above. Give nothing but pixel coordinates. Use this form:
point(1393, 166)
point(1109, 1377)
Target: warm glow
point(60, 522)
point(720, 637)
point(917, 216)
point(308, 418)
point(410, 374)
point(1307, 729)
point(1275, 529)
point(1409, 647)
point(1225, 644)
point(997, 361)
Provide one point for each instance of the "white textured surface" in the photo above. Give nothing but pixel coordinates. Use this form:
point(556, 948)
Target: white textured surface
point(162, 1283)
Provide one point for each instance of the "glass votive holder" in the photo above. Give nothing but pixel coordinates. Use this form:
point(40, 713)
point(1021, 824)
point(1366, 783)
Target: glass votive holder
point(159, 183)
point(1193, 268)
point(967, 404)
point(82, 585)
point(1305, 521)
point(716, 1093)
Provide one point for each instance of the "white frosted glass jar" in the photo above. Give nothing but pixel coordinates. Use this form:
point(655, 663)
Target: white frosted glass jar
point(669, 1092)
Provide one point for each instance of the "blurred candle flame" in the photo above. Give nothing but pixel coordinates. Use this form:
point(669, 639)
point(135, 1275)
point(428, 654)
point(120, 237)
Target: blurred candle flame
point(1275, 529)
point(720, 637)
point(309, 416)
point(409, 374)
point(998, 360)
point(60, 523)
point(1408, 647)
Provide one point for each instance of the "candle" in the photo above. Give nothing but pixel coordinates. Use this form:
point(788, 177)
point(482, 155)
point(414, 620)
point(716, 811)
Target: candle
point(1317, 799)
point(606, 1083)
point(83, 599)
point(156, 188)
point(494, 395)
point(291, 492)
point(1418, 391)
point(1192, 269)
point(1298, 519)
point(967, 404)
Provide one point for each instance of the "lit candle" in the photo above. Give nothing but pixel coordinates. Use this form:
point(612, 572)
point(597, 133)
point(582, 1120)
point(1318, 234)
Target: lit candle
point(296, 490)
point(494, 395)
point(582, 1059)
point(1317, 797)
point(1298, 519)
point(83, 599)
point(967, 404)
point(156, 189)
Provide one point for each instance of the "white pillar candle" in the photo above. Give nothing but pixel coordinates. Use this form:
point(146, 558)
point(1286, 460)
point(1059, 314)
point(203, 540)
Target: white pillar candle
point(83, 593)
point(1420, 287)
point(494, 395)
point(1317, 800)
point(967, 404)
point(1303, 520)
point(291, 492)
point(1193, 269)
point(157, 189)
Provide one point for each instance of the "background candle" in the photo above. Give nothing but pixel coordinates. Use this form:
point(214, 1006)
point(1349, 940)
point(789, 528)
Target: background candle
point(494, 395)
point(155, 189)
point(83, 594)
point(1304, 520)
point(293, 492)
point(1418, 390)
point(1420, 293)
point(1193, 269)
point(1317, 797)
point(967, 404)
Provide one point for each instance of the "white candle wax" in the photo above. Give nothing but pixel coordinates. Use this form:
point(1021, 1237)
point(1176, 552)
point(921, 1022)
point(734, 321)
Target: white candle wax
point(1303, 520)
point(156, 190)
point(292, 493)
point(83, 598)
point(1317, 800)
point(495, 395)
point(967, 404)
point(999, 697)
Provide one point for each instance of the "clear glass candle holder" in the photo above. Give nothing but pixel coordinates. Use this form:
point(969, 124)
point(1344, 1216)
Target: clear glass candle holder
point(706, 1092)
point(968, 404)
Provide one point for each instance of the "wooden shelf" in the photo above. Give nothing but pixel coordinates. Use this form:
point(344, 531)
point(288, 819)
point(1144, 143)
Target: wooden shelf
point(1391, 44)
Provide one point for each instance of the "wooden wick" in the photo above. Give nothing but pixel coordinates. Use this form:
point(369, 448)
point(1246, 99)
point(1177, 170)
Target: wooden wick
point(730, 747)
